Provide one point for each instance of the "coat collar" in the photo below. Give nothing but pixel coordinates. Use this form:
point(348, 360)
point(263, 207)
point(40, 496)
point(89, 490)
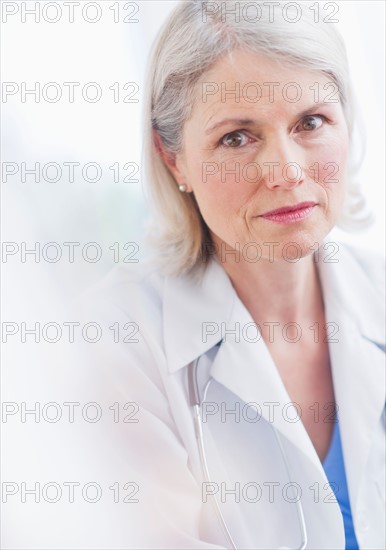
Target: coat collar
point(352, 284)
point(193, 313)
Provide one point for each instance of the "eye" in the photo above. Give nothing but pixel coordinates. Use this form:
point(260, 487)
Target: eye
point(312, 122)
point(234, 139)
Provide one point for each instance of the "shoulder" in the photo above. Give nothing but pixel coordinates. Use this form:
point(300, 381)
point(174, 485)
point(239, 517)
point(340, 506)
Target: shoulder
point(355, 283)
point(368, 262)
point(125, 307)
point(132, 290)
point(165, 312)
point(124, 285)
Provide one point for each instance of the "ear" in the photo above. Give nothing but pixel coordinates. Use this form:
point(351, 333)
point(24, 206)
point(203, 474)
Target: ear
point(169, 159)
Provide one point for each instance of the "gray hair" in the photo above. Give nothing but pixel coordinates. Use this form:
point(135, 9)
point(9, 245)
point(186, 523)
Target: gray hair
point(193, 37)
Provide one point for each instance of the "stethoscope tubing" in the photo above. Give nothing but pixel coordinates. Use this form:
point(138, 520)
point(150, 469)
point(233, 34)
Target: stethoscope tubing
point(195, 403)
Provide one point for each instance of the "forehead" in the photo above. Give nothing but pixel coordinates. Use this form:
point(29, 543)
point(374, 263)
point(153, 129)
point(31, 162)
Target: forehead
point(256, 82)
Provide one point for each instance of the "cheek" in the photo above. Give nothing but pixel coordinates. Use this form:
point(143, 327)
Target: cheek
point(218, 185)
point(327, 166)
point(218, 198)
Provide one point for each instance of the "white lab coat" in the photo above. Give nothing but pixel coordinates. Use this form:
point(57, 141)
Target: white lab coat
point(160, 452)
point(163, 455)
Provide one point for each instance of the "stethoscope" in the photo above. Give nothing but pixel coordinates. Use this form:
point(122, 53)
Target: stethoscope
point(196, 403)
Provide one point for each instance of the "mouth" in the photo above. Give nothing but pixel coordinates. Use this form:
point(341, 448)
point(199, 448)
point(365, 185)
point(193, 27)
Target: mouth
point(290, 213)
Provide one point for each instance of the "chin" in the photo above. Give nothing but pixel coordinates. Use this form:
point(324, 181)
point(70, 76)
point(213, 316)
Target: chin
point(294, 245)
point(301, 244)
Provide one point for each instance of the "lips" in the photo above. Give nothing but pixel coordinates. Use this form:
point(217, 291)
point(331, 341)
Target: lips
point(289, 208)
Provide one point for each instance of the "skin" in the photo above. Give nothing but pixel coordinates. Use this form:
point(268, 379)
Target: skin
point(232, 205)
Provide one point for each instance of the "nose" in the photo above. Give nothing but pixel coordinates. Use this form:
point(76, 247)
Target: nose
point(281, 163)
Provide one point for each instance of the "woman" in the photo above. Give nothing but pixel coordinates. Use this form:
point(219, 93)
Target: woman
point(249, 156)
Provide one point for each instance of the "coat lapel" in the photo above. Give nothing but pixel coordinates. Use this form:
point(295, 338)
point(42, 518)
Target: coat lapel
point(247, 369)
point(353, 301)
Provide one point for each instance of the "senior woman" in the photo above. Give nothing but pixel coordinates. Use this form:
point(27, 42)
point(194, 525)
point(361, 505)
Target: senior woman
point(255, 358)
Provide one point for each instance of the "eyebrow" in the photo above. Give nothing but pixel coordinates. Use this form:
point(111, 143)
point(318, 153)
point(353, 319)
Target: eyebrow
point(254, 122)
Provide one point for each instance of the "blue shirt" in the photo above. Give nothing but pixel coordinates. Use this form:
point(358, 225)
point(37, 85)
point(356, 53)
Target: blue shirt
point(333, 465)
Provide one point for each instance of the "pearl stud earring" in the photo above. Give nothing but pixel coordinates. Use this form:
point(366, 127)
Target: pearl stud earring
point(182, 187)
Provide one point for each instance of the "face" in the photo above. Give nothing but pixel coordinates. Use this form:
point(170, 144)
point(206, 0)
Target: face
point(262, 148)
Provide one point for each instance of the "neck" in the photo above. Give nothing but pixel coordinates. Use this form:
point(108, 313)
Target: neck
point(277, 291)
